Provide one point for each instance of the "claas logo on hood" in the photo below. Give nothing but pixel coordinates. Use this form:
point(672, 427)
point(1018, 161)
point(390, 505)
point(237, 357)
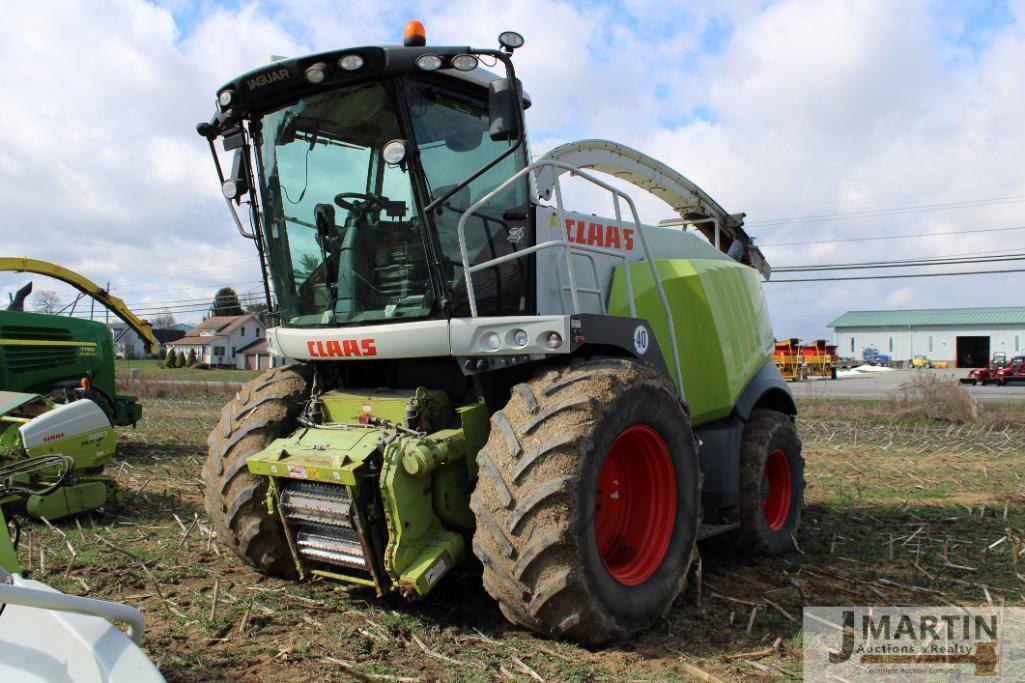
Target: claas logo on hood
point(342, 348)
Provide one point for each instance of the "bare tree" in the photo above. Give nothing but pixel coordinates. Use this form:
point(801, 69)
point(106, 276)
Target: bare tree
point(47, 301)
point(163, 320)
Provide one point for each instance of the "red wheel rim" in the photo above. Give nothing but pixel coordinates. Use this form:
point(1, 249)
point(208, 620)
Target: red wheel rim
point(777, 490)
point(635, 505)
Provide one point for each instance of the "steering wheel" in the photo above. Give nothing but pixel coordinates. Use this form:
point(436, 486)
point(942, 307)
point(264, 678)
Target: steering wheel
point(372, 200)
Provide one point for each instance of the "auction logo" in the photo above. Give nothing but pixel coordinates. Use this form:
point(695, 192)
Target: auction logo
point(913, 644)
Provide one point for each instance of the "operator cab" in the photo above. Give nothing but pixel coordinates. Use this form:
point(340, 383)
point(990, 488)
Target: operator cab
point(365, 160)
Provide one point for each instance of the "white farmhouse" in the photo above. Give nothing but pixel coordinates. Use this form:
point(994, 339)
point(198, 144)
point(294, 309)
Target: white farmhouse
point(221, 340)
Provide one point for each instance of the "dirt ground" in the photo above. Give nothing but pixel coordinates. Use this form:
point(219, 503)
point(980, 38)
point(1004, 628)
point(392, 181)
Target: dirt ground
point(898, 513)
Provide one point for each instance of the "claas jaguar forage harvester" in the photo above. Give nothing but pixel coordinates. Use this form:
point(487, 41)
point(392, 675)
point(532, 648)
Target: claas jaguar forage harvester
point(573, 400)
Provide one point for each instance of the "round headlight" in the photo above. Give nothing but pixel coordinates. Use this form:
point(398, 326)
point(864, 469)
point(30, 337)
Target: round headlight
point(315, 73)
point(510, 40)
point(350, 62)
point(394, 152)
point(429, 62)
point(229, 189)
point(493, 341)
point(464, 62)
point(225, 98)
point(520, 337)
point(554, 340)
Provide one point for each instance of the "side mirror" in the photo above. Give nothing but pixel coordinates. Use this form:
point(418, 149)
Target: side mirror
point(502, 110)
point(236, 185)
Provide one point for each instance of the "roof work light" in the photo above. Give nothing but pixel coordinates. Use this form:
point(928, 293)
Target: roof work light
point(415, 35)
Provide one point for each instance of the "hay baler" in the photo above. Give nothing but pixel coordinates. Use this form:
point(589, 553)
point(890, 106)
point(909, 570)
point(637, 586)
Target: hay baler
point(574, 400)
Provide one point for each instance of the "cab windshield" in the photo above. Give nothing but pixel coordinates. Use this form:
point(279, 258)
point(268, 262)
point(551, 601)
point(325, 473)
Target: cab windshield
point(451, 131)
point(341, 226)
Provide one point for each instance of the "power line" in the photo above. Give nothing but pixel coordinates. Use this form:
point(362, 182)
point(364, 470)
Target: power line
point(889, 237)
point(183, 289)
point(889, 196)
point(876, 213)
point(994, 252)
point(902, 264)
point(894, 277)
point(172, 273)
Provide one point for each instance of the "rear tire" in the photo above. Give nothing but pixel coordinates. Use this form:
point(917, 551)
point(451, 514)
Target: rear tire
point(265, 409)
point(771, 487)
point(565, 553)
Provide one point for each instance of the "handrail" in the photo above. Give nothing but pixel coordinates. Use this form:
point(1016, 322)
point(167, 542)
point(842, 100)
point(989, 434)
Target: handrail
point(569, 249)
point(53, 600)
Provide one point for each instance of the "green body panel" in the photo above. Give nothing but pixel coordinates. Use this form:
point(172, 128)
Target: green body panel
point(39, 351)
point(722, 326)
point(418, 543)
point(90, 451)
point(425, 480)
point(350, 406)
point(87, 493)
point(8, 555)
point(327, 455)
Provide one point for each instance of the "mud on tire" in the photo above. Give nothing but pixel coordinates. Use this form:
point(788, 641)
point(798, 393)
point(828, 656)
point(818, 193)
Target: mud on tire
point(265, 409)
point(536, 495)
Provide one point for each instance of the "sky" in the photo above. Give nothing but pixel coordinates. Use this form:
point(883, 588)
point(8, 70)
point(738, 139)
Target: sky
point(823, 120)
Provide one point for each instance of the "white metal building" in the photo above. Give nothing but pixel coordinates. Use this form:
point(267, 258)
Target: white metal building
point(967, 337)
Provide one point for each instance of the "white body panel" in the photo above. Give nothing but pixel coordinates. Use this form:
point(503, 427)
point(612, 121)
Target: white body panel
point(473, 336)
point(74, 418)
point(456, 337)
point(46, 645)
point(393, 340)
point(593, 270)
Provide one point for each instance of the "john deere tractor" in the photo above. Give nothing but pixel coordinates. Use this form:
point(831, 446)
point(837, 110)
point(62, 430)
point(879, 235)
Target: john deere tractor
point(574, 400)
point(58, 402)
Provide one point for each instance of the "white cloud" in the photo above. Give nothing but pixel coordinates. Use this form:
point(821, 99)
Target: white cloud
point(817, 107)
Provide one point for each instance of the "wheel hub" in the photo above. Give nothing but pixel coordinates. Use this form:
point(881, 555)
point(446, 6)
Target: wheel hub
point(635, 505)
point(777, 489)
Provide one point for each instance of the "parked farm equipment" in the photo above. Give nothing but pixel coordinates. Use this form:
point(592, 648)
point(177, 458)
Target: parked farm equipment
point(480, 368)
point(819, 359)
point(58, 401)
point(988, 374)
point(65, 357)
point(787, 357)
point(1013, 372)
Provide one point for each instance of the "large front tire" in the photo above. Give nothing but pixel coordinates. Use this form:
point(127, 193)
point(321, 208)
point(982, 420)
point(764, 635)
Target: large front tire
point(588, 501)
point(265, 409)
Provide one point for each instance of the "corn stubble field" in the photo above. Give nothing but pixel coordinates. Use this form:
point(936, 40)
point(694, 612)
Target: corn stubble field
point(900, 511)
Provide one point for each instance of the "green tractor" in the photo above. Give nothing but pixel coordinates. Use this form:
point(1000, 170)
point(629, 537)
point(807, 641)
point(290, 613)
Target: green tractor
point(61, 356)
point(574, 400)
point(58, 402)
